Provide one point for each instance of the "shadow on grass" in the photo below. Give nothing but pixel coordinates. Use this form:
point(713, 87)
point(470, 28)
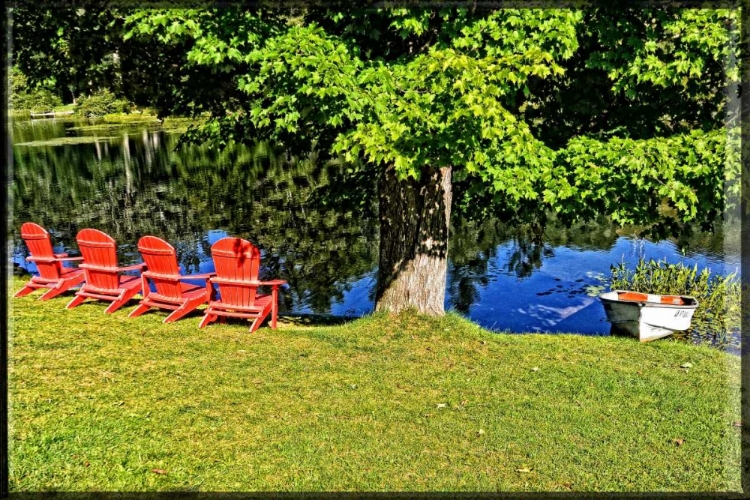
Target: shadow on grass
point(286, 320)
point(314, 319)
point(90, 304)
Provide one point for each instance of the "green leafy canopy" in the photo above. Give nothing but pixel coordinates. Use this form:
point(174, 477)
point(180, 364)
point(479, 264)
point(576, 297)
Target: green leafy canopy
point(421, 89)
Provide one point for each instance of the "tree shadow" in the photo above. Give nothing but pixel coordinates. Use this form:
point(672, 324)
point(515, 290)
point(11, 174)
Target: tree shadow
point(305, 320)
point(313, 320)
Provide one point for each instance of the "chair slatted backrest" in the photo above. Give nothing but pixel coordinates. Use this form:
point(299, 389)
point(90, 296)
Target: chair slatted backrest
point(161, 258)
point(236, 260)
point(38, 241)
point(99, 252)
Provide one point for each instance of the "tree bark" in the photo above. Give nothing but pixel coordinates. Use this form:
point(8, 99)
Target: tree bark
point(414, 221)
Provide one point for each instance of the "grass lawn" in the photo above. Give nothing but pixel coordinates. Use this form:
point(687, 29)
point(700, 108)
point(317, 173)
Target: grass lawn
point(405, 403)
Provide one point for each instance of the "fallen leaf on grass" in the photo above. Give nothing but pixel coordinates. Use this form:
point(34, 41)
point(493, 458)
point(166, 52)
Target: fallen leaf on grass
point(686, 365)
point(737, 424)
point(158, 471)
point(535, 369)
point(480, 432)
point(678, 441)
point(86, 464)
point(118, 403)
point(441, 405)
point(523, 470)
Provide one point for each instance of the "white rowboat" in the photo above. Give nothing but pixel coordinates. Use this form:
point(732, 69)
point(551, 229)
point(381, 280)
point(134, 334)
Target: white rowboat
point(648, 316)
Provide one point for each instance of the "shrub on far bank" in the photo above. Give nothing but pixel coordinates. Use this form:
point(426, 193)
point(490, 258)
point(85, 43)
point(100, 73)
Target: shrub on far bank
point(100, 103)
point(36, 101)
point(23, 98)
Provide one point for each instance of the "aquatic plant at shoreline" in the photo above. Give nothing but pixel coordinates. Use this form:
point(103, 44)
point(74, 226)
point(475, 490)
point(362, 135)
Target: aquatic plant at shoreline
point(718, 313)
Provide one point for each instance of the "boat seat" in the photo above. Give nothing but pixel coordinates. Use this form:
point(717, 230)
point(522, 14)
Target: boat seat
point(642, 297)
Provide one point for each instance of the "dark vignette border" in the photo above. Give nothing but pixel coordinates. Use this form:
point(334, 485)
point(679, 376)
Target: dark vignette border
point(745, 239)
point(5, 47)
point(5, 56)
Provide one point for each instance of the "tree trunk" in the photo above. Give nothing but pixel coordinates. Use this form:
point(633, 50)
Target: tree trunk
point(414, 219)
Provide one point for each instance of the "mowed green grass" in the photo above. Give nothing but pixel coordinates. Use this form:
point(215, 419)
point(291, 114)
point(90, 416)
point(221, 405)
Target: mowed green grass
point(403, 403)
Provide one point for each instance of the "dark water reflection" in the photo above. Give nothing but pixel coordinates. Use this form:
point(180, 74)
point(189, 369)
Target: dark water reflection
point(130, 181)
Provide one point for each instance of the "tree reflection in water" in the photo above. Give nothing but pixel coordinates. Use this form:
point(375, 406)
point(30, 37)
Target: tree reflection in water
point(316, 223)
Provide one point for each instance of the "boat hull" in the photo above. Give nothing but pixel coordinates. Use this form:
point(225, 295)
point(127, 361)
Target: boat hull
point(648, 319)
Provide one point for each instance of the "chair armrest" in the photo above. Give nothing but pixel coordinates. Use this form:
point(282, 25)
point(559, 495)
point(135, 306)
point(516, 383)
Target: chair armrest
point(197, 276)
point(248, 283)
point(155, 275)
point(272, 283)
point(134, 267)
point(56, 258)
point(99, 268)
point(41, 259)
point(61, 255)
point(224, 281)
point(176, 277)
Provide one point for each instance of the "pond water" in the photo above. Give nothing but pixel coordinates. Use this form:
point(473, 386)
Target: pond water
point(129, 181)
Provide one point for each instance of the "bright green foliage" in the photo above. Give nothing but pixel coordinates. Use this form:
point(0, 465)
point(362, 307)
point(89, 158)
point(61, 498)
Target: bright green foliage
point(422, 89)
point(631, 179)
point(672, 48)
point(624, 80)
point(502, 32)
point(441, 107)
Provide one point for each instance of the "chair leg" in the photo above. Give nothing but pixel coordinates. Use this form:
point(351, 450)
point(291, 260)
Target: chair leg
point(123, 299)
point(115, 305)
point(208, 318)
point(53, 292)
point(258, 321)
point(142, 308)
point(27, 289)
point(77, 300)
point(131, 293)
point(182, 311)
point(274, 306)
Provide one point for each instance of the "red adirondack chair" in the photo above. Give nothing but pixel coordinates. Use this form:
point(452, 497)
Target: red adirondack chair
point(103, 278)
point(52, 274)
point(164, 272)
point(237, 263)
